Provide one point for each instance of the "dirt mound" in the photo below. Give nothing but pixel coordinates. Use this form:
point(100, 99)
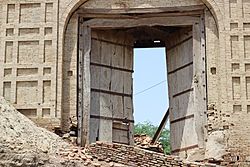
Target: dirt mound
point(16, 128)
point(22, 143)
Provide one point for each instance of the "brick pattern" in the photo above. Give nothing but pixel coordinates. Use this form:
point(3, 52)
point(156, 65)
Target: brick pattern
point(134, 157)
point(237, 118)
point(228, 115)
point(238, 54)
point(28, 61)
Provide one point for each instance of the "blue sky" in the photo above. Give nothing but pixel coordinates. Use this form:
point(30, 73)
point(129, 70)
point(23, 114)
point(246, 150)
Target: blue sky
point(150, 69)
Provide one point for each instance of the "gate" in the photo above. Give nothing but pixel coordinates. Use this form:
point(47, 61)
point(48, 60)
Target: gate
point(187, 88)
point(110, 65)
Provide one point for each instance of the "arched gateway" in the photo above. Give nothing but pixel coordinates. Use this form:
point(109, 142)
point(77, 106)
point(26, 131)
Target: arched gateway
point(107, 33)
point(64, 62)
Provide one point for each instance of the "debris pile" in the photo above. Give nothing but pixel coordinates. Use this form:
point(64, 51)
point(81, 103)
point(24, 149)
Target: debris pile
point(16, 128)
point(86, 157)
point(144, 142)
point(76, 154)
point(134, 156)
point(22, 143)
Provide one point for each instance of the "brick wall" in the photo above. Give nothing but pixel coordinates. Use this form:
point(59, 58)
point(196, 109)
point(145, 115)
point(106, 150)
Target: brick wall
point(133, 156)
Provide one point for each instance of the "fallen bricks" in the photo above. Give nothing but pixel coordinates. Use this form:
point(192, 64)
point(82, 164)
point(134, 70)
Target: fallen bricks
point(22, 143)
point(125, 155)
point(144, 142)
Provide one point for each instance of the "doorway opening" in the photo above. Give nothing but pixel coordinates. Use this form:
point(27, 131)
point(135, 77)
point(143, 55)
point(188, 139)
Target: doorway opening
point(108, 53)
point(150, 89)
point(150, 97)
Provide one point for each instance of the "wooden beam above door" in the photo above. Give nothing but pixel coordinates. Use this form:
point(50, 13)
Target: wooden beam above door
point(179, 9)
point(128, 23)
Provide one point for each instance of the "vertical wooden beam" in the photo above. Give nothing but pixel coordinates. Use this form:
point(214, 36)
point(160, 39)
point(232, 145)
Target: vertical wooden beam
point(84, 45)
point(199, 80)
point(79, 83)
point(86, 83)
point(204, 74)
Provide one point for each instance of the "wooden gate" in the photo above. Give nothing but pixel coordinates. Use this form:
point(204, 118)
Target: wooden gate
point(111, 68)
point(111, 64)
point(187, 89)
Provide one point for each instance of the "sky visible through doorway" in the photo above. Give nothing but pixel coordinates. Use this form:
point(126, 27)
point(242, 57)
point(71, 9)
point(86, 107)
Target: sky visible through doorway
point(150, 85)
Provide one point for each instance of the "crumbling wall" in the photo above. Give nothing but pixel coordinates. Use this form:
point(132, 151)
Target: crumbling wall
point(228, 82)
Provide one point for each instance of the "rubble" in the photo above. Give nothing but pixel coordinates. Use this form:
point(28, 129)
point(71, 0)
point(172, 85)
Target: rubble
point(16, 128)
point(133, 156)
point(22, 143)
point(143, 141)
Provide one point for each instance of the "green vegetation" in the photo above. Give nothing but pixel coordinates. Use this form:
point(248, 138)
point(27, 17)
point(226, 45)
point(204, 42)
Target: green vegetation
point(149, 129)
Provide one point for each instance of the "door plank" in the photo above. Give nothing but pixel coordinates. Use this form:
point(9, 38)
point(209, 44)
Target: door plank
point(113, 86)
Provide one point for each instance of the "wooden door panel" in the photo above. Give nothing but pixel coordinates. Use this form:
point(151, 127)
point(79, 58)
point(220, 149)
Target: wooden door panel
point(117, 57)
point(184, 78)
point(117, 81)
point(184, 130)
point(106, 53)
point(184, 105)
point(120, 132)
point(181, 91)
point(117, 106)
point(95, 77)
point(128, 57)
point(176, 47)
point(111, 77)
point(127, 79)
point(105, 112)
point(105, 78)
point(95, 51)
point(187, 88)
